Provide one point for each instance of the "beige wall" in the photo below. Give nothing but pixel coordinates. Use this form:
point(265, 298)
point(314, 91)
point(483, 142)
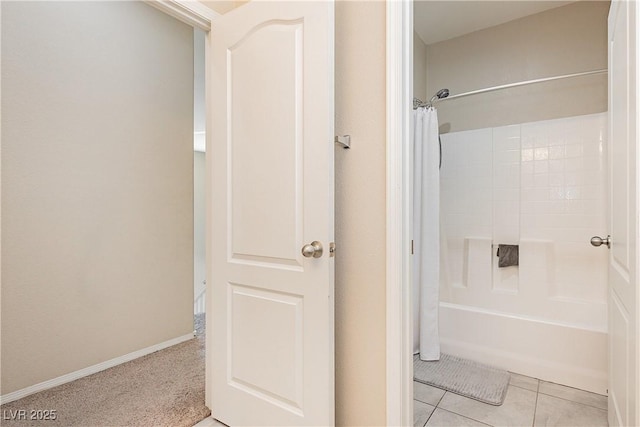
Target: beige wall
point(199, 91)
point(360, 214)
point(223, 6)
point(564, 40)
point(97, 184)
point(419, 68)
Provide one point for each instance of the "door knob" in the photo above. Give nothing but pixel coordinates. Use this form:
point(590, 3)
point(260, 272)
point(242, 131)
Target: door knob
point(597, 241)
point(313, 249)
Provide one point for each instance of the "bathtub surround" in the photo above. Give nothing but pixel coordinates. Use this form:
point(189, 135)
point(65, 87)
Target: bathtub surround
point(540, 185)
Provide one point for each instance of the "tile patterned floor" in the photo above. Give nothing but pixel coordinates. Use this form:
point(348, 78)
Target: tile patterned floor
point(529, 402)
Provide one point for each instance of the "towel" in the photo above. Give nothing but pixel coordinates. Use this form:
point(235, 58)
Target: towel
point(507, 255)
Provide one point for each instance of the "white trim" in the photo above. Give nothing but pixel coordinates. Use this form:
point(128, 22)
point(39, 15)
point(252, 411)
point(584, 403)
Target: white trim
point(199, 141)
point(208, 76)
point(199, 304)
point(399, 101)
point(190, 12)
point(45, 385)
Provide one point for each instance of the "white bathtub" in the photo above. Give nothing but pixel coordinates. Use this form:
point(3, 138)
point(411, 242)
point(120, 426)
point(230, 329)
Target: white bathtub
point(560, 353)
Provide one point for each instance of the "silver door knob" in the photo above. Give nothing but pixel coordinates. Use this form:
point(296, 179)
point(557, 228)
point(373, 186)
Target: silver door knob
point(313, 249)
point(598, 241)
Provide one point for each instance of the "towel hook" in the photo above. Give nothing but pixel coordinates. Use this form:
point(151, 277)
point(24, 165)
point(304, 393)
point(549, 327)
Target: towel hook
point(344, 141)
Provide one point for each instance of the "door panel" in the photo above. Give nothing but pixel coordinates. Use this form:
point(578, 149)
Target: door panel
point(272, 354)
point(266, 218)
point(270, 311)
point(623, 261)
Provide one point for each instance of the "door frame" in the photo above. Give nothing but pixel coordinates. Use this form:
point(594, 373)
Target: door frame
point(192, 13)
point(197, 15)
point(399, 89)
point(399, 44)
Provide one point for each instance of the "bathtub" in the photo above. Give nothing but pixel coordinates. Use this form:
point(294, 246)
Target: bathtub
point(551, 351)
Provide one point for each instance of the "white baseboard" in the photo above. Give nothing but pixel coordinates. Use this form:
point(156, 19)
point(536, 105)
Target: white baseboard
point(19, 394)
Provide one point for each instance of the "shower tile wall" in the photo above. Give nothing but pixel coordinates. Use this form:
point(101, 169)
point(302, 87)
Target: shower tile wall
point(541, 185)
point(506, 202)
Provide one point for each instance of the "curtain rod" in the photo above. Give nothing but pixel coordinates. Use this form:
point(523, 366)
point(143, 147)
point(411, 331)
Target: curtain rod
point(527, 82)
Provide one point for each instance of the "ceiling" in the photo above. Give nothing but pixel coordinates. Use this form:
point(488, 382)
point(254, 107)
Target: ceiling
point(436, 21)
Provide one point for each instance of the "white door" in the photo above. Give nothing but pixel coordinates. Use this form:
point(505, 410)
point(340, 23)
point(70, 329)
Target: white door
point(272, 341)
point(624, 355)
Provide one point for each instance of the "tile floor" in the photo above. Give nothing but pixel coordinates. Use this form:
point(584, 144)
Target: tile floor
point(529, 402)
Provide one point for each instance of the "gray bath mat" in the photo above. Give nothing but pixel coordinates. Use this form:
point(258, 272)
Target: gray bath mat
point(465, 377)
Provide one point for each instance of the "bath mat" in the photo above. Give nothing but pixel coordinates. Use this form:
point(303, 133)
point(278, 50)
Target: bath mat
point(465, 377)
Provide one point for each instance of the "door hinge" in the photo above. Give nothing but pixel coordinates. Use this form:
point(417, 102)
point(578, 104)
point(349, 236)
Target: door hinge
point(412, 247)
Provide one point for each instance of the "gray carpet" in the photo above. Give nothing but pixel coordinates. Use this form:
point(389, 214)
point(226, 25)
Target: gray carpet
point(165, 388)
point(465, 377)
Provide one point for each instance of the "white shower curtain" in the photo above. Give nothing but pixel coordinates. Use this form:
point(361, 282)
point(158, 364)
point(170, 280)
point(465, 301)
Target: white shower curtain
point(426, 233)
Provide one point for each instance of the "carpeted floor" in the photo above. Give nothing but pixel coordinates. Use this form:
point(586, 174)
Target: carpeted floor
point(165, 388)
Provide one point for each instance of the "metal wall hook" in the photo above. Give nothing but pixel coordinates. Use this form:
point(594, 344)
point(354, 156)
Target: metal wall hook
point(344, 140)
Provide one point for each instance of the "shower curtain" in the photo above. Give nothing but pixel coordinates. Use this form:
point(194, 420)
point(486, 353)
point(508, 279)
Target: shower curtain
point(426, 233)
